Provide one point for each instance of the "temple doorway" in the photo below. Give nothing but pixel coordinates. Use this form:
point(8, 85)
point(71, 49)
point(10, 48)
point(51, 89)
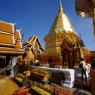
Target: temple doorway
point(2, 61)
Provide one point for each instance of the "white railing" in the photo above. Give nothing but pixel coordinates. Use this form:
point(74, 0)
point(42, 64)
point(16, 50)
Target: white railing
point(69, 75)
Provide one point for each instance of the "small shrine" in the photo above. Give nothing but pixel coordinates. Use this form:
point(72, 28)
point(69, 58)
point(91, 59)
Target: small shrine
point(33, 49)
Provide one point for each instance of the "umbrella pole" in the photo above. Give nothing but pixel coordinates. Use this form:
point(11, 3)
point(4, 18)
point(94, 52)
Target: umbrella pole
point(93, 16)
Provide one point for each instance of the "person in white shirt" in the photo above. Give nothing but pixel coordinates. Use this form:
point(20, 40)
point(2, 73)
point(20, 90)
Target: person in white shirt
point(83, 68)
point(88, 69)
point(13, 64)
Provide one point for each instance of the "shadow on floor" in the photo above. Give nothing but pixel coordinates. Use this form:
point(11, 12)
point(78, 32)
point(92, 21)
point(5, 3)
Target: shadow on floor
point(81, 92)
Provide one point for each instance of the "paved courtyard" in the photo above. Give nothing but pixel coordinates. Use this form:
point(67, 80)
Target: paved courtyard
point(7, 87)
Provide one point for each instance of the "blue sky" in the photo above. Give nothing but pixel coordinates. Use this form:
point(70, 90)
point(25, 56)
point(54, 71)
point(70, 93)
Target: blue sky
point(35, 17)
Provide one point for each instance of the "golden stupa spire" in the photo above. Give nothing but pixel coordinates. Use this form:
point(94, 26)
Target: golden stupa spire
point(61, 22)
point(60, 6)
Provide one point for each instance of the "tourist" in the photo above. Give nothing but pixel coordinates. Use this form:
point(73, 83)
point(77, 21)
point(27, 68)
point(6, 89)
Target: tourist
point(37, 63)
point(82, 66)
point(13, 64)
point(88, 69)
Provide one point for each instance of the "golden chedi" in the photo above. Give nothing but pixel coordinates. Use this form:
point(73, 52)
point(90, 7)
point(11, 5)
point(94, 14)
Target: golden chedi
point(62, 44)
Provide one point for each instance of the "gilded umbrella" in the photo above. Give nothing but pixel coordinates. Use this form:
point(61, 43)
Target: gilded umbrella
point(86, 8)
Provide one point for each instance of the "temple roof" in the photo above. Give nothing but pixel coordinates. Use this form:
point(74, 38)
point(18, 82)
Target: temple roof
point(32, 42)
point(7, 34)
point(10, 38)
point(6, 39)
point(32, 39)
point(17, 38)
point(61, 22)
point(17, 35)
point(11, 50)
point(6, 27)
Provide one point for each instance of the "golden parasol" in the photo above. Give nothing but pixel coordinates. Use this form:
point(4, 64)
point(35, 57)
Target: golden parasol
point(86, 8)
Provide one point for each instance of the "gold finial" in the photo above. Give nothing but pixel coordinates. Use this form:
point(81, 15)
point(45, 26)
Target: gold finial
point(60, 6)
